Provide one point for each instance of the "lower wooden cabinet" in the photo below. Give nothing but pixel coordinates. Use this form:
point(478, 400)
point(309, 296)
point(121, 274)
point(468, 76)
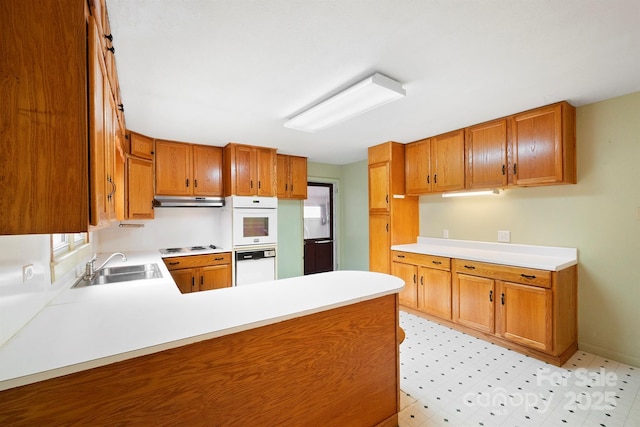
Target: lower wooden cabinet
point(196, 273)
point(529, 310)
point(427, 281)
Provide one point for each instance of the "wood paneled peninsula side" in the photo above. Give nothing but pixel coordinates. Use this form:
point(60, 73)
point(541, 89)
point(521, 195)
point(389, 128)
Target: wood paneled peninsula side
point(522, 297)
point(320, 348)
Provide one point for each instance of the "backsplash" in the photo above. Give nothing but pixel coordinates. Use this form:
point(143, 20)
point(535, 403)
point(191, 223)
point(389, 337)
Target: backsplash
point(172, 227)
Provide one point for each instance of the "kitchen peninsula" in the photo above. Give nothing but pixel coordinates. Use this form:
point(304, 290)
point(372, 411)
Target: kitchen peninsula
point(323, 348)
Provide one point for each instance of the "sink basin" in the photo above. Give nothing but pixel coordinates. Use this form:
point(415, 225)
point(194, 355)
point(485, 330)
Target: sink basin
point(124, 273)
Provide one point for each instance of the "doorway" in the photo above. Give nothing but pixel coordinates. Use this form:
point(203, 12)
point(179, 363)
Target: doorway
point(318, 228)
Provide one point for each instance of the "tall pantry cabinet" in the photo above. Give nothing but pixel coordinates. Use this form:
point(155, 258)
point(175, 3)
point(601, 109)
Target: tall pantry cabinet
point(393, 216)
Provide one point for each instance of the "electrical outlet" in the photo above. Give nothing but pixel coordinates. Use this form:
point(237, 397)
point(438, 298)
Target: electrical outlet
point(445, 234)
point(504, 236)
point(27, 272)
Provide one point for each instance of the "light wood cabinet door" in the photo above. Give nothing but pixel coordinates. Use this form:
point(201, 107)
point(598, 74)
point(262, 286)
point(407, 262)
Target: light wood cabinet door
point(245, 171)
point(409, 273)
point(434, 292)
point(543, 146)
point(207, 170)
point(379, 187)
point(173, 166)
point(215, 277)
point(379, 243)
point(291, 172)
point(140, 145)
point(524, 315)
point(447, 161)
point(139, 188)
point(185, 279)
point(486, 149)
point(474, 302)
point(266, 171)
point(417, 167)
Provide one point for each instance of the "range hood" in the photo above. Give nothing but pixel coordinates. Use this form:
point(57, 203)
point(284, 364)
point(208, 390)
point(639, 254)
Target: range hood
point(188, 202)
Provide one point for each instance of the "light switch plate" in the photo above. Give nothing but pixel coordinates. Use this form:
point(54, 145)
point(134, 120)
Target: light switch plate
point(504, 236)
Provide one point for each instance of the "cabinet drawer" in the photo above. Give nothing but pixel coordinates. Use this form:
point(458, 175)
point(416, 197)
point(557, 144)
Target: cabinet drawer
point(527, 276)
point(178, 262)
point(431, 261)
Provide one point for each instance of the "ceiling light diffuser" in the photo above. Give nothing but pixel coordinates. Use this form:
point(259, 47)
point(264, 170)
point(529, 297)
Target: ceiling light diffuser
point(364, 96)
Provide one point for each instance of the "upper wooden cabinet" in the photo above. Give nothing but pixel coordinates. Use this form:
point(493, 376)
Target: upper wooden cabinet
point(543, 146)
point(292, 177)
point(486, 148)
point(139, 182)
point(435, 164)
point(249, 170)
point(187, 169)
point(140, 145)
point(43, 117)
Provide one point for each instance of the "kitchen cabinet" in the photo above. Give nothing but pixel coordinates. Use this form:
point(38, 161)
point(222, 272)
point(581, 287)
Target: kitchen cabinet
point(194, 273)
point(43, 115)
point(249, 170)
point(533, 309)
point(139, 190)
point(292, 177)
point(435, 164)
point(543, 144)
point(393, 217)
point(486, 160)
point(427, 282)
point(187, 170)
point(140, 146)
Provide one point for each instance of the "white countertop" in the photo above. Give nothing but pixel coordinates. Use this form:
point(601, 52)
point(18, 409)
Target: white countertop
point(550, 258)
point(96, 325)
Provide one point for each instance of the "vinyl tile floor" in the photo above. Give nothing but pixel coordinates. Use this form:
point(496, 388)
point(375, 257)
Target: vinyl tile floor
point(448, 378)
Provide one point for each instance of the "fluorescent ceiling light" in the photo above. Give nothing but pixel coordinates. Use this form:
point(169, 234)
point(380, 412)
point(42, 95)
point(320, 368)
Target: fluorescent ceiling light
point(370, 93)
point(471, 193)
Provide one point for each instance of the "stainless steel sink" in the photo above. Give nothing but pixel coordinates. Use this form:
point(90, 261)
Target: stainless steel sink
point(123, 273)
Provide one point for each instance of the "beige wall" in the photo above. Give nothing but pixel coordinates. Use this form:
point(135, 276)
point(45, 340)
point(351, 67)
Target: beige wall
point(600, 216)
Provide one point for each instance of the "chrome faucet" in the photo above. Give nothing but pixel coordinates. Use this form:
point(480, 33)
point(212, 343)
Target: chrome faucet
point(90, 268)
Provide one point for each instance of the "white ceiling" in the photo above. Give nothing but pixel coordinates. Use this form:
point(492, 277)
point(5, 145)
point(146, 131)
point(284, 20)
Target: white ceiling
point(216, 71)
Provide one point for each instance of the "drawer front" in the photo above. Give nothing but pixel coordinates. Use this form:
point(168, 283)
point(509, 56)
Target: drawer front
point(178, 262)
point(431, 261)
point(526, 276)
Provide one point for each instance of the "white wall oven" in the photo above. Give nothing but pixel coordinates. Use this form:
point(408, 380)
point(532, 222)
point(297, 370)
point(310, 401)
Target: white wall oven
point(255, 221)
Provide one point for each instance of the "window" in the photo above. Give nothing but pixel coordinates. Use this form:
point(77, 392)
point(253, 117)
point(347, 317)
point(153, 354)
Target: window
point(67, 251)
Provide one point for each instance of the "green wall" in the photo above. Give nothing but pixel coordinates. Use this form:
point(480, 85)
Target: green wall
point(352, 233)
point(600, 215)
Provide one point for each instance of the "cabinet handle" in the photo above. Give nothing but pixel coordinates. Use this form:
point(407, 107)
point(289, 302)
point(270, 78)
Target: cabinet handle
point(437, 262)
point(504, 169)
point(201, 280)
point(527, 276)
point(195, 183)
point(435, 178)
point(174, 263)
point(250, 183)
point(286, 187)
point(515, 169)
point(422, 280)
point(121, 107)
point(111, 49)
point(400, 256)
point(470, 267)
point(428, 180)
point(387, 198)
point(187, 181)
point(218, 259)
point(502, 298)
point(193, 282)
point(490, 296)
point(259, 184)
point(109, 37)
point(387, 227)
point(414, 278)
